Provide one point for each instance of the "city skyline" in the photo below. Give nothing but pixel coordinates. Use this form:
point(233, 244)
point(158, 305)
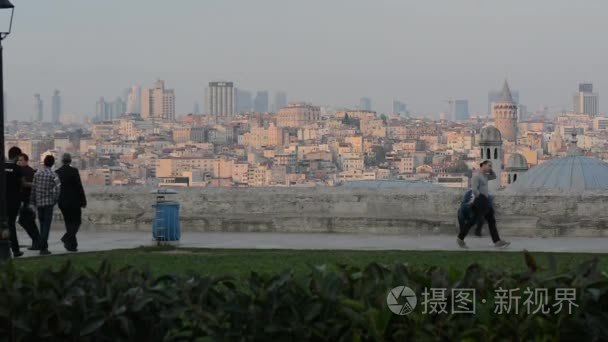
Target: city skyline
point(132, 104)
point(422, 71)
point(303, 144)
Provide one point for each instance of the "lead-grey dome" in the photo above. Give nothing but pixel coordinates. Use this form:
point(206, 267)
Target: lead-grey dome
point(517, 162)
point(490, 134)
point(572, 174)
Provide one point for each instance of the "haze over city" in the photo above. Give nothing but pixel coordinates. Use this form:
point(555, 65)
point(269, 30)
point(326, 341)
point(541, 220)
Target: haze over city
point(324, 52)
point(312, 170)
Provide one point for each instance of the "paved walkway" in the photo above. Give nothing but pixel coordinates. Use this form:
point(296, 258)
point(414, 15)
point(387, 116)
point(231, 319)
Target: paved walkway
point(100, 241)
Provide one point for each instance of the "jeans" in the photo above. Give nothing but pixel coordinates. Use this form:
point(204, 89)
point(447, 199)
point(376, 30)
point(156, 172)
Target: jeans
point(72, 218)
point(27, 220)
point(11, 214)
point(45, 216)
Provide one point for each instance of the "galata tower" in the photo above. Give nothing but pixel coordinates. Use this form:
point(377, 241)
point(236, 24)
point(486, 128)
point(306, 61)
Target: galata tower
point(505, 115)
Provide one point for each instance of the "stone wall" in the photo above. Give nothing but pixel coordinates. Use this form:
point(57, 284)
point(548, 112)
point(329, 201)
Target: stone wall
point(403, 211)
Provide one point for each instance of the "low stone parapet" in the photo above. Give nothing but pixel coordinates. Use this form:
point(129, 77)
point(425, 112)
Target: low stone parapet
point(375, 211)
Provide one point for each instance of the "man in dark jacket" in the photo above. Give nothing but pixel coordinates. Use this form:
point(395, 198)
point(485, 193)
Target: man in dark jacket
point(71, 201)
point(14, 182)
point(27, 216)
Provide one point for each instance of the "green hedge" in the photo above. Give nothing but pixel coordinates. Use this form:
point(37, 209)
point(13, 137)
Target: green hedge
point(341, 304)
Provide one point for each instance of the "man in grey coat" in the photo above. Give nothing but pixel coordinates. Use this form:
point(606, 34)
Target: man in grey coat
point(481, 206)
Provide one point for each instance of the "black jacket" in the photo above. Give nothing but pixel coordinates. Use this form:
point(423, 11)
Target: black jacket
point(72, 192)
point(28, 174)
point(14, 182)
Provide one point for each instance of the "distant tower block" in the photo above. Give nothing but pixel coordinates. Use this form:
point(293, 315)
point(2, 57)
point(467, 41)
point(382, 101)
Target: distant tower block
point(505, 115)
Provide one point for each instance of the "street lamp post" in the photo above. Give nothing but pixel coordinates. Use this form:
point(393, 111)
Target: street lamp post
point(6, 22)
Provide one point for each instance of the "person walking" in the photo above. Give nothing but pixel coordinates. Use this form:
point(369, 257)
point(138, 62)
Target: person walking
point(71, 201)
point(27, 216)
point(14, 182)
point(482, 207)
point(45, 193)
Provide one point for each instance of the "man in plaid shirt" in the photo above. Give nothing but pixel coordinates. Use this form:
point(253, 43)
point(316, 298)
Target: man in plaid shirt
point(45, 193)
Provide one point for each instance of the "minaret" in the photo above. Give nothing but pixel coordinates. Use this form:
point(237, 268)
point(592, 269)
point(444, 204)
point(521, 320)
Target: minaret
point(490, 143)
point(573, 149)
point(517, 165)
point(505, 115)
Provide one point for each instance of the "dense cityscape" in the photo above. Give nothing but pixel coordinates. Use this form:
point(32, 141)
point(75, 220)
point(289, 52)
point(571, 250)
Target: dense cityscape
point(240, 140)
point(303, 171)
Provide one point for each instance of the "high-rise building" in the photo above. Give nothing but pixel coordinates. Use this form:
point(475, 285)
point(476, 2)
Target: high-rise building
point(586, 101)
point(99, 108)
point(244, 104)
point(120, 107)
point(461, 110)
point(585, 87)
point(56, 110)
point(260, 103)
point(505, 115)
point(195, 108)
point(125, 97)
point(147, 103)
point(280, 100)
point(495, 96)
point(37, 110)
point(221, 99)
point(399, 108)
point(158, 102)
point(103, 110)
point(365, 103)
point(522, 112)
point(134, 100)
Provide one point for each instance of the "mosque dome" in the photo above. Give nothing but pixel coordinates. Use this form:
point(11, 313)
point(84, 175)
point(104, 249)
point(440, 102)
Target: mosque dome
point(517, 162)
point(569, 174)
point(490, 134)
point(574, 173)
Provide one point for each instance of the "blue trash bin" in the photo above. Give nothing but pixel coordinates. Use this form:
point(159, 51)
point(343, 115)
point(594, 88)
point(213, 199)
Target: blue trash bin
point(165, 226)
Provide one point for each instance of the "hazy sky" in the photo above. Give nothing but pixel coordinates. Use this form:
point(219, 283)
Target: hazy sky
point(321, 51)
